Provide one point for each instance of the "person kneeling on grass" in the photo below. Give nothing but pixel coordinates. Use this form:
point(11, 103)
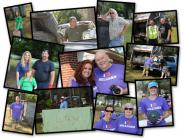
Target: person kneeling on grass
point(27, 82)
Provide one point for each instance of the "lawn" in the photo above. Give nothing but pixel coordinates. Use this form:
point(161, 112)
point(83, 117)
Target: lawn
point(128, 35)
point(174, 36)
point(136, 74)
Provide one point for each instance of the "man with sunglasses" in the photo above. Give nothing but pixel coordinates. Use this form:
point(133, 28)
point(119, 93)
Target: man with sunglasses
point(153, 106)
point(118, 26)
point(127, 122)
point(106, 123)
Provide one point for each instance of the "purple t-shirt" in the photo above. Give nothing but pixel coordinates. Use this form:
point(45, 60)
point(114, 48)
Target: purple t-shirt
point(102, 124)
point(112, 76)
point(128, 125)
point(16, 110)
point(159, 104)
point(21, 70)
point(76, 84)
point(148, 62)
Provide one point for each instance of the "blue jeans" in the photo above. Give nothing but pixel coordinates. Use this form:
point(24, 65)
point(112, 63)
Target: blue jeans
point(42, 85)
point(118, 41)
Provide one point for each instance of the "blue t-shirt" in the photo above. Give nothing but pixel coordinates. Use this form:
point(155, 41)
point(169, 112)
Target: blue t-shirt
point(128, 125)
point(112, 76)
point(159, 104)
point(21, 70)
point(76, 84)
point(16, 110)
point(64, 105)
point(102, 124)
point(42, 70)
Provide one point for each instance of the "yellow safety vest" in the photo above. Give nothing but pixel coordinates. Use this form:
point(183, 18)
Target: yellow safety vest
point(152, 32)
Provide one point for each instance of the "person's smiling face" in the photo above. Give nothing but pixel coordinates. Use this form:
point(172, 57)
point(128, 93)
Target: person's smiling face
point(87, 70)
point(102, 60)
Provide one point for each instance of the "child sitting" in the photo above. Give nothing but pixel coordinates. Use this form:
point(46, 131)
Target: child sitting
point(27, 82)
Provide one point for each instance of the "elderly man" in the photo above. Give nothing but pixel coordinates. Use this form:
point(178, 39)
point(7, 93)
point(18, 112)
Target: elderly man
point(109, 77)
point(128, 121)
point(118, 26)
point(74, 32)
point(16, 112)
point(43, 70)
point(153, 106)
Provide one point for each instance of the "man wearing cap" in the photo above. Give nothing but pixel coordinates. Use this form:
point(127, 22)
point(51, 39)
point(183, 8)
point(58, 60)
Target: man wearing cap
point(75, 31)
point(106, 123)
point(154, 103)
point(128, 121)
point(43, 71)
point(63, 103)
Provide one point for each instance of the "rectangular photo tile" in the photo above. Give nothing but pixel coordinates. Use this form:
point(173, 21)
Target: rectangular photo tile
point(20, 112)
point(116, 114)
point(18, 20)
point(114, 23)
point(158, 27)
point(103, 69)
point(75, 28)
point(64, 110)
point(32, 65)
point(151, 62)
point(154, 101)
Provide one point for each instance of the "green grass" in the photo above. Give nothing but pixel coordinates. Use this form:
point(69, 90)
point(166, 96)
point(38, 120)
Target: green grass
point(128, 35)
point(26, 27)
point(174, 37)
point(136, 74)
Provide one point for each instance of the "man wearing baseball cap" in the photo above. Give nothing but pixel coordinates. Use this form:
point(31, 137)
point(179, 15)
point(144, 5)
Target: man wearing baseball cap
point(154, 108)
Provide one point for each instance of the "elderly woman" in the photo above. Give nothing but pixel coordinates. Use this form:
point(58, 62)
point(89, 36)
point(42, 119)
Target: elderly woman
point(83, 75)
point(23, 66)
point(128, 122)
point(109, 77)
point(117, 27)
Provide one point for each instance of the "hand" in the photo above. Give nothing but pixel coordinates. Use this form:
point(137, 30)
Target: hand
point(50, 86)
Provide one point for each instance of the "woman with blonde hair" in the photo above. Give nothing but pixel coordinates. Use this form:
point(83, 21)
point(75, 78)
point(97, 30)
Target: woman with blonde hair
point(23, 66)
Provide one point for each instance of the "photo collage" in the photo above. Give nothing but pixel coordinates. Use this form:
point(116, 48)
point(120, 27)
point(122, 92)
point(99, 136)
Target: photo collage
point(69, 70)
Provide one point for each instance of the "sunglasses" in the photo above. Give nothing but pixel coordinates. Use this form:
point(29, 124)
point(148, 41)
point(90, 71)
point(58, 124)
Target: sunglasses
point(129, 109)
point(111, 13)
point(109, 111)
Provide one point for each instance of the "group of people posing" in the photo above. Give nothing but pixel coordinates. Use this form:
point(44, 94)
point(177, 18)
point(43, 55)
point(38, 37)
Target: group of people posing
point(158, 34)
point(40, 75)
point(103, 75)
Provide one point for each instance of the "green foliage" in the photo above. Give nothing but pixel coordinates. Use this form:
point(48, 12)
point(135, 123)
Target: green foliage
point(124, 9)
point(63, 16)
point(21, 45)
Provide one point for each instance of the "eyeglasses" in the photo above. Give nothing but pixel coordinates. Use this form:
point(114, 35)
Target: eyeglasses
point(129, 109)
point(111, 12)
point(109, 111)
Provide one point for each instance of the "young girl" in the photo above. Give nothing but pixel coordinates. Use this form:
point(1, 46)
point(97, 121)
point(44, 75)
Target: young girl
point(27, 82)
point(19, 23)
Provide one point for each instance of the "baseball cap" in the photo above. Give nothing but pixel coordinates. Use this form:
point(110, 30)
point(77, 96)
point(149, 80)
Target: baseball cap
point(152, 84)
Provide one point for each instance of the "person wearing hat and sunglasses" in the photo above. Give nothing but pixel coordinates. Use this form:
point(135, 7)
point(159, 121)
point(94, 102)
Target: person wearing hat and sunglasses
point(154, 108)
point(127, 122)
point(106, 123)
point(118, 26)
point(63, 103)
point(43, 71)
